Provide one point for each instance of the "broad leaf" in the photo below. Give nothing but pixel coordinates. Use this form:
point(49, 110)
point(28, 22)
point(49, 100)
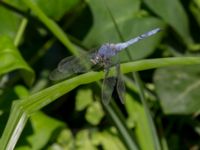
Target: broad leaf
point(83, 141)
point(54, 9)
point(178, 89)
point(11, 59)
point(65, 140)
point(83, 99)
point(173, 13)
point(94, 113)
point(9, 22)
point(139, 118)
point(125, 13)
point(109, 139)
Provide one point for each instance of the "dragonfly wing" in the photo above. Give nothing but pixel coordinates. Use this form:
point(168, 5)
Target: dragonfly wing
point(69, 66)
point(56, 75)
point(75, 64)
point(120, 85)
point(107, 88)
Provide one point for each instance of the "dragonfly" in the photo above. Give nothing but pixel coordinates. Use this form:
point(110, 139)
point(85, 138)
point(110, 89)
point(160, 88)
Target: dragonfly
point(101, 58)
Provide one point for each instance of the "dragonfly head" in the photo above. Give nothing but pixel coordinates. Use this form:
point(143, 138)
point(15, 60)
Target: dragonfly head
point(102, 56)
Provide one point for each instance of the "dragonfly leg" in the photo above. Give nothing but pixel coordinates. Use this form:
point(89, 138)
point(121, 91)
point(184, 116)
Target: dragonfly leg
point(120, 85)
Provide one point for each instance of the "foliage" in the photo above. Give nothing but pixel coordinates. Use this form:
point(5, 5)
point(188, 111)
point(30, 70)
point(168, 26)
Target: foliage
point(162, 106)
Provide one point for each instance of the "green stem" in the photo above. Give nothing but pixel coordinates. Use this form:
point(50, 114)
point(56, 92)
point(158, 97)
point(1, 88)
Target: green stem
point(120, 123)
point(52, 26)
point(20, 32)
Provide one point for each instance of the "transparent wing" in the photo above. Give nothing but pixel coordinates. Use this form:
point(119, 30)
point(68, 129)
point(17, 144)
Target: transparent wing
point(71, 65)
point(120, 85)
point(56, 75)
point(75, 64)
point(107, 88)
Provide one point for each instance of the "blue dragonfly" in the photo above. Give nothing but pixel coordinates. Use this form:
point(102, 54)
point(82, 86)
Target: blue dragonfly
point(99, 59)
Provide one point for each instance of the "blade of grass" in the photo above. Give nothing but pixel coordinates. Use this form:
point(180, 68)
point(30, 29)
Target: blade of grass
point(120, 123)
point(117, 116)
point(38, 100)
point(15, 125)
point(20, 31)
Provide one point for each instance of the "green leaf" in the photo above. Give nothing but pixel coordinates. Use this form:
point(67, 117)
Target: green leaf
point(139, 118)
point(102, 21)
point(173, 13)
point(56, 8)
point(178, 89)
point(17, 4)
point(108, 139)
point(83, 99)
point(94, 113)
point(130, 25)
point(66, 139)
point(195, 9)
point(11, 59)
point(103, 25)
point(43, 128)
point(21, 91)
point(52, 26)
point(83, 141)
point(9, 22)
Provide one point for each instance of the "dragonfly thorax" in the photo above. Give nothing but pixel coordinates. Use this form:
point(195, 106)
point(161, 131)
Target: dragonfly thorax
point(96, 59)
point(103, 55)
point(107, 51)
